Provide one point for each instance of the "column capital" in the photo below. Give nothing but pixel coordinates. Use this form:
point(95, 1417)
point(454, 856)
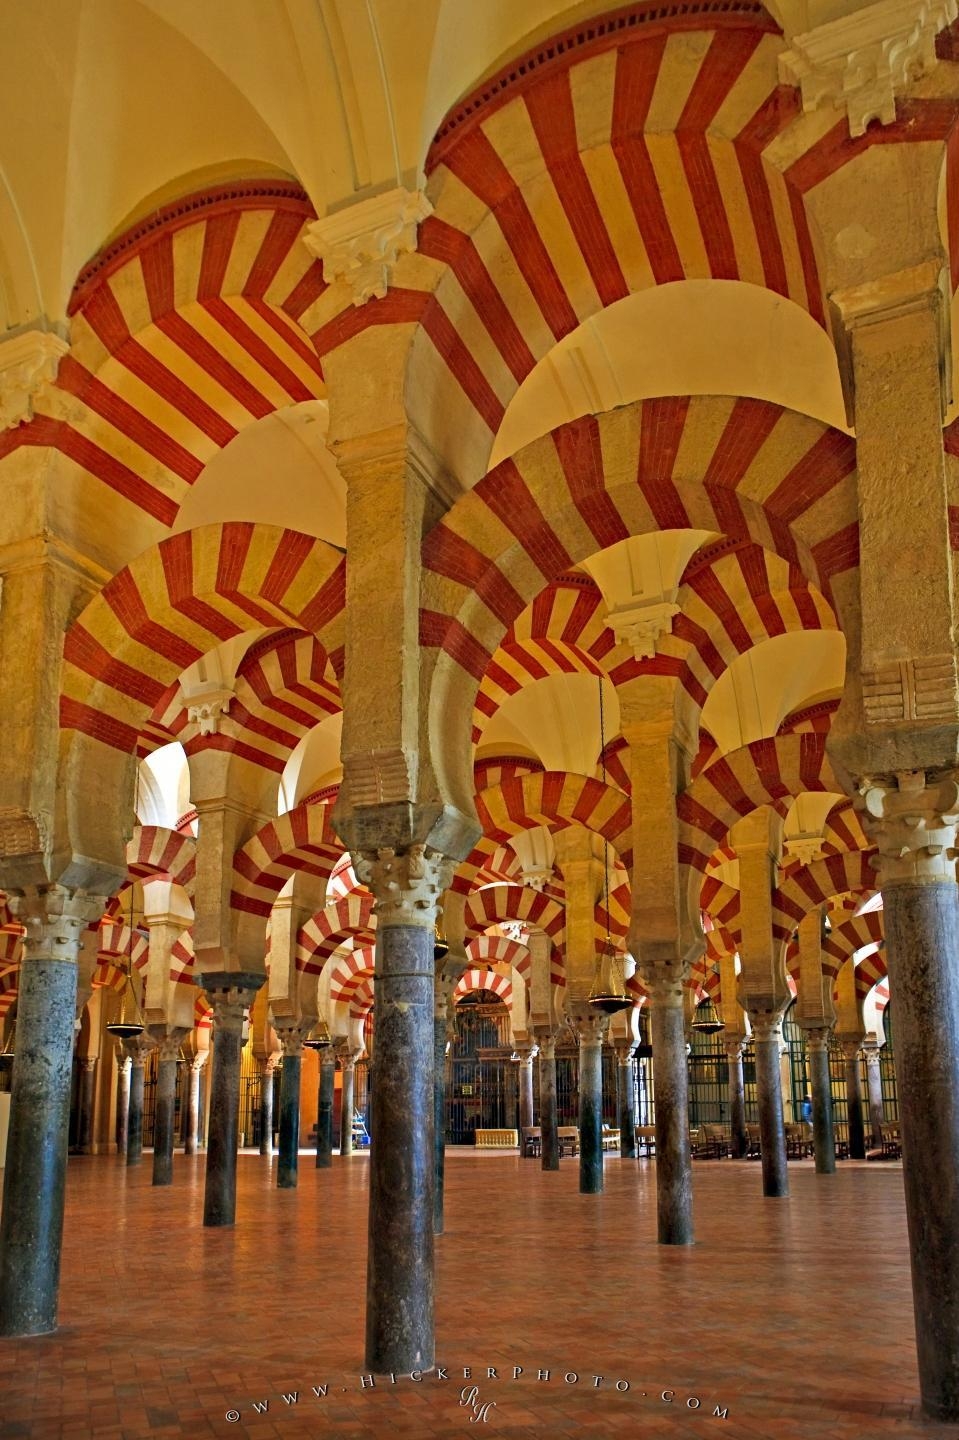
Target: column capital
point(871, 1049)
point(734, 1045)
point(911, 818)
point(231, 993)
point(546, 1040)
point(291, 1034)
point(168, 1039)
point(851, 1045)
point(407, 886)
point(589, 1029)
point(138, 1048)
point(525, 1054)
point(817, 1037)
point(54, 921)
point(767, 1025)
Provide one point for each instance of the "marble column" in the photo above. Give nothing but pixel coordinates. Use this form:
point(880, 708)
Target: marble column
point(674, 1169)
point(324, 1108)
point(526, 1054)
point(124, 1066)
point(289, 1148)
point(266, 1105)
point(348, 1074)
point(165, 1105)
point(191, 1118)
point(441, 1006)
point(877, 1111)
point(31, 1216)
point(823, 1136)
point(547, 1102)
point(626, 1110)
point(399, 1283)
point(87, 1105)
point(737, 1096)
point(230, 994)
point(590, 1030)
point(767, 1037)
point(857, 1130)
point(139, 1049)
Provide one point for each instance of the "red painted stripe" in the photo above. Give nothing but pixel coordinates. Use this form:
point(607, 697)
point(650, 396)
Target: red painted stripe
point(103, 314)
point(452, 637)
point(281, 235)
point(124, 599)
point(776, 112)
point(580, 454)
point(219, 235)
point(507, 496)
point(175, 392)
point(289, 333)
point(105, 728)
point(661, 431)
point(397, 307)
point(442, 242)
point(265, 355)
point(825, 464)
point(216, 365)
point(550, 107)
point(75, 380)
point(477, 165)
point(83, 650)
point(462, 365)
point(292, 553)
point(305, 292)
point(156, 265)
point(637, 70)
point(837, 553)
point(325, 606)
point(749, 426)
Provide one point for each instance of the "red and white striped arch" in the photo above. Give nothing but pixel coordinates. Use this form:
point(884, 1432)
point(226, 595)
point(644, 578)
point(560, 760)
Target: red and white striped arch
point(818, 883)
point(765, 772)
point(349, 969)
point(179, 600)
point(496, 950)
point(155, 852)
point(350, 918)
point(301, 840)
point(855, 934)
point(843, 830)
point(185, 329)
point(481, 978)
point(556, 799)
point(498, 904)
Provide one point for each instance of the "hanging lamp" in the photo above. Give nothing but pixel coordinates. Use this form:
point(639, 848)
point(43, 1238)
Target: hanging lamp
point(608, 994)
point(320, 1039)
point(708, 1020)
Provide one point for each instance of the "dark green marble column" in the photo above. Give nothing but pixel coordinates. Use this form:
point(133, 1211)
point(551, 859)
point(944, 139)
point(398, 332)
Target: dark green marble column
point(87, 1105)
point(124, 1065)
point(289, 1151)
point(163, 1114)
point(439, 1112)
point(266, 1107)
point(820, 1088)
point(324, 1109)
point(674, 1180)
point(31, 1218)
point(625, 1105)
point(135, 1114)
point(547, 1102)
point(230, 995)
point(769, 1095)
point(590, 1033)
point(737, 1097)
point(857, 1128)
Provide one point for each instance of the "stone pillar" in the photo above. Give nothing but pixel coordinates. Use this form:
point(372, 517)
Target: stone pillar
point(124, 1066)
point(877, 1112)
point(734, 1046)
point(857, 1129)
point(230, 994)
point(767, 1038)
point(348, 1073)
point(674, 1168)
point(590, 1030)
point(31, 1217)
point(823, 1135)
point(442, 990)
point(526, 1054)
point(324, 1109)
point(291, 1038)
point(547, 1101)
point(626, 1109)
point(87, 1103)
point(399, 1286)
point(139, 1048)
point(191, 1118)
point(165, 1103)
point(266, 1105)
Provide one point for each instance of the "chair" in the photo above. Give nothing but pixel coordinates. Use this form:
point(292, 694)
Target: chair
point(568, 1136)
point(532, 1141)
point(646, 1139)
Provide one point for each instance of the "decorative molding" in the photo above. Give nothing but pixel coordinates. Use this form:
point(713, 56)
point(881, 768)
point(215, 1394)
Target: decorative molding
point(205, 703)
point(925, 689)
point(537, 877)
point(379, 777)
point(860, 61)
point(642, 626)
point(28, 362)
point(361, 244)
point(407, 887)
point(912, 823)
point(804, 848)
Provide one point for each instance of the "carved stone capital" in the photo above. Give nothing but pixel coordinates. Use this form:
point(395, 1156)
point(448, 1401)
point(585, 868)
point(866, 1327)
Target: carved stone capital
point(589, 1029)
point(767, 1026)
point(206, 702)
point(851, 1045)
point(546, 1040)
point(642, 625)
point(54, 921)
point(138, 1047)
point(525, 1054)
point(168, 1040)
point(407, 887)
point(859, 62)
point(912, 822)
point(870, 1050)
point(360, 245)
point(291, 1035)
point(230, 994)
point(817, 1039)
point(28, 362)
point(734, 1045)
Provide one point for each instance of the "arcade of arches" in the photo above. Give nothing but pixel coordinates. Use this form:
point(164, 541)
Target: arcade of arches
point(488, 472)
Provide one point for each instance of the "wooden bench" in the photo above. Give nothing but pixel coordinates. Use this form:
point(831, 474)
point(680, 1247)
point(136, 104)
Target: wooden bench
point(713, 1142)
point(532, 1141)
point(496, 1140)
point(891, 1142)
point(611, 1138)
point(568, 1136)
point(646, 1138)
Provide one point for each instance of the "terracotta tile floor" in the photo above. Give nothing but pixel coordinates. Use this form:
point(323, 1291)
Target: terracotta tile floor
point(795, 1314)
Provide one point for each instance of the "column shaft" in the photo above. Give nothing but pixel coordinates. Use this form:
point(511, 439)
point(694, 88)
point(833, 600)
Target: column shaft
point(877, 1113)
point(399, 1287)
point(823, 1135)
point(772, 1132)
point(123, 1103)
point(590, 1115)
point(857, 1129)
point(191, 1122)
point(547, 1106)
point(135, 1113)
point(674, 1179)
point(526, 1092)
point(31, 1219)
point(88, 1092)
point(324, 1112)
point(627, 1112)
point(266, 1109)
point(737, 1102)
point(219, 1201)
point(439, 1119)
point(346, 1109)
point(286, 1172)
point(164, 1110)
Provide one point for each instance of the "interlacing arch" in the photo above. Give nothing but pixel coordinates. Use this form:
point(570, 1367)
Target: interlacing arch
point(181, 599)
point(853, 935)
point(349, 918)
point(497, 950)
point(480, 978)
point(747, 469)
point(155, 852)
point(765, 772)
point(349, 969)
point(183, 330)
point(116, 944)
point(871, 971)
point(843, 830)
point(557, 798)
point(301, 840)
point(817, 883)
